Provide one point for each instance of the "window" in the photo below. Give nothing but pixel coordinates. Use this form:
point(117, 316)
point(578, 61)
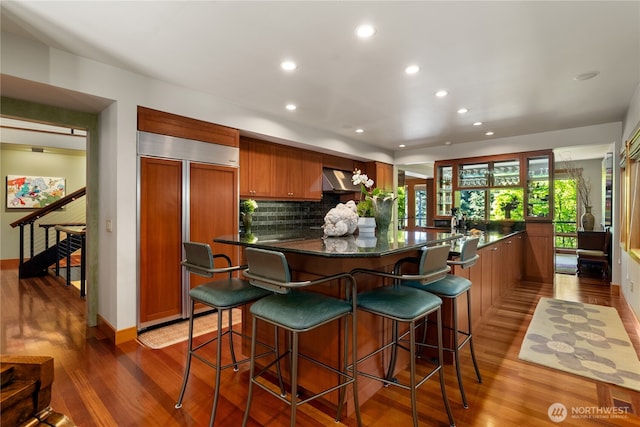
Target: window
point(566, 214)
point(630, 209)
point(420, 198)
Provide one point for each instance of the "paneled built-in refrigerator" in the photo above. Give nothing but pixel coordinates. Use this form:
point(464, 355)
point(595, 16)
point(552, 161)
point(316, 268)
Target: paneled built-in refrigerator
point(187, 190)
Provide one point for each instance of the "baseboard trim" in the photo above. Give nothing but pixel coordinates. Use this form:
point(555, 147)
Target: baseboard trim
point(9, 264)
point(114, 336)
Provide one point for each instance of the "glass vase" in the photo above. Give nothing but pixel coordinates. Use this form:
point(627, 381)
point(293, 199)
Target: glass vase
point(383, 210)
point(247, 221)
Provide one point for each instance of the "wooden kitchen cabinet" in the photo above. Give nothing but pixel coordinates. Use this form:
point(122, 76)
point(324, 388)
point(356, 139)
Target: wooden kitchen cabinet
point(274, 171)
point(496, 252)
point(513, 253)
point(486, 265)
point(298, 174)
point(256, 168)
point(538, 251)
point(380, 173)
point(474, 184)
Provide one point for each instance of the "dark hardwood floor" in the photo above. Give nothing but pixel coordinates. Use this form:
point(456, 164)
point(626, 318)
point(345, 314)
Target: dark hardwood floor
point(130, 385)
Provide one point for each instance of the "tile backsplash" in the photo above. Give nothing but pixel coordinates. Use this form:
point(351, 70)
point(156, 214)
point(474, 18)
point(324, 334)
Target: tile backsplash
point(275, 216)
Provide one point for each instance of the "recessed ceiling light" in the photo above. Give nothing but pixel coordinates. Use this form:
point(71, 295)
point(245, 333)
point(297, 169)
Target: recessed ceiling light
point(359, 130)
point(365, 31)
point(402, 145)
point(291, 107)
point(288, 65)
point(442, 93)
point(489, 133)
point(586, 76)
point(477, 123)
point(412, 69)
point(447, 143)
point(462, 111)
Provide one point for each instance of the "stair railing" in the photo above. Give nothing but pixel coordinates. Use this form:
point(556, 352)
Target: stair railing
point(28, 221)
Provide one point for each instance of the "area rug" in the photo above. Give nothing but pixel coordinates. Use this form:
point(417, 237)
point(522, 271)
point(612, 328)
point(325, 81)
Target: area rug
point(178, 332)
point(583, 339)
point(566, 264)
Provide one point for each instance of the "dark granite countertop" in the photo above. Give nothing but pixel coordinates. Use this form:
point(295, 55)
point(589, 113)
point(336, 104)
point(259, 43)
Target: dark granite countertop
point(313, 242)
point(486, 239)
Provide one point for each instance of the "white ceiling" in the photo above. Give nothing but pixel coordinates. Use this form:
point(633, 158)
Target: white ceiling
point(512, 64)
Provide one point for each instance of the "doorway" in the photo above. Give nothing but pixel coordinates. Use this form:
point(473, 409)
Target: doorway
point(413, 212)
point(40, 113)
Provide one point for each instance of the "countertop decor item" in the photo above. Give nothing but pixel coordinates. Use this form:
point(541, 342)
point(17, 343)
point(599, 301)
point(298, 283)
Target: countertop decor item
point(366, 226)
point(341, 220)
point(376, 202)
point(247, 207)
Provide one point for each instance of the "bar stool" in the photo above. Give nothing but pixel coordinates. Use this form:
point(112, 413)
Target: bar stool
point(408, 305)
point(222, 295)
point(298, 311)
point(451, 287)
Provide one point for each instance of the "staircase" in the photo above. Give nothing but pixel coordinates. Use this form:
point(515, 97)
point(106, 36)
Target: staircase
point(40, 263)
point(40, 259)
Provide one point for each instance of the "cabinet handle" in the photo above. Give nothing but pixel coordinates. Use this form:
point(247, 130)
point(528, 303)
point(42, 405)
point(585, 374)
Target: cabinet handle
point(494, 249)
point(509, 242)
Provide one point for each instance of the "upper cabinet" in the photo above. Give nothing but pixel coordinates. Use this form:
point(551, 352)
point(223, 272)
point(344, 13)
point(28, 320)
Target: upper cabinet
point(274, 171)
point(516, 186)
point(444, 189)
point(298, 174)
point(162, 123)
point(256, 168)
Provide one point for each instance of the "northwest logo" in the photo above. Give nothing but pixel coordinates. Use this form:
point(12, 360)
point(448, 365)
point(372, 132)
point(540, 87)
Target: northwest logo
point(557, 412)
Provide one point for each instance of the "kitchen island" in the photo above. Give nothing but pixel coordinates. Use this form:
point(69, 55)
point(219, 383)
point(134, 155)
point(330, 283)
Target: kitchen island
point(311, 255)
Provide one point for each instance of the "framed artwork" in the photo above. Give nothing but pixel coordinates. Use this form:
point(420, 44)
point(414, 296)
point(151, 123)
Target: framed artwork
point(33, 192)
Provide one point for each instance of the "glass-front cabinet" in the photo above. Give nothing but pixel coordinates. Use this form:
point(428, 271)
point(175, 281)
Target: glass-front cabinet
point(473, 175)
point(509, 186)
point(444, 190)
point(539, 186)
point(506, 173)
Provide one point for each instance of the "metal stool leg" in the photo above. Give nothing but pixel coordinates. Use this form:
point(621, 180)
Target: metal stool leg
point(276, 346)
point(252, 365)
point(412, 368)
point(394, 353)
point(216, 392)
point(233, 352)
point(473, 353)
point(440, 362)
point(178, 404)
point(456, 351)
point(294, 378)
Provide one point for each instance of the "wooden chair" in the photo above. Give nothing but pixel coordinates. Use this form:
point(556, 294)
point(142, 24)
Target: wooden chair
point(593, 248)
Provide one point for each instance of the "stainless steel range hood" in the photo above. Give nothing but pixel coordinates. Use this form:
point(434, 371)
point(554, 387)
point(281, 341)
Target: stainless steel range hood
point(337, 181)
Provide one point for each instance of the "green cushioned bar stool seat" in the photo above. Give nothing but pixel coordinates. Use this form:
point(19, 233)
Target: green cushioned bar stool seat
point(301, 311)
point(296, 311)
point(407, 305)
point(451, 287)
point(222, 295)
point(398, 303)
